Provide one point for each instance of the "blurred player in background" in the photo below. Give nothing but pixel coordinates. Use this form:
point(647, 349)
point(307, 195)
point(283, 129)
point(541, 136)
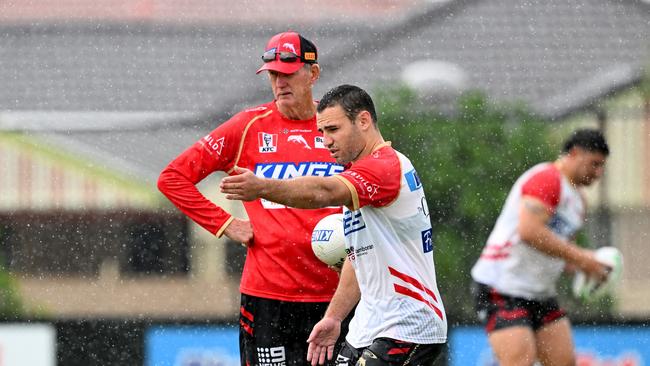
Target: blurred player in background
point(400, 318)
point(527, 250)
point(284, 288)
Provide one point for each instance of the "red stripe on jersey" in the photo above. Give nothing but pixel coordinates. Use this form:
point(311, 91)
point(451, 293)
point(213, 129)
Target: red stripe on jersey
point(408, 279)
point(246, 314)
point(405, 291)
point(496, 251)
point(495, 256)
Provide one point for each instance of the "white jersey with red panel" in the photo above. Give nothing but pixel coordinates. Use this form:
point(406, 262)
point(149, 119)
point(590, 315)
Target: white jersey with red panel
point(279, 264)
point(510, 265)
point(389, 240)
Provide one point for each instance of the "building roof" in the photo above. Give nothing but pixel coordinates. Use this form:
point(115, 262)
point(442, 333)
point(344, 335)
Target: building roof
point(135, 94)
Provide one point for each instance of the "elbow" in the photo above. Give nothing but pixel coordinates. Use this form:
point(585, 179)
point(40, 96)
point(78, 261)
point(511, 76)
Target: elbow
point(164, 180)
point(527, 232)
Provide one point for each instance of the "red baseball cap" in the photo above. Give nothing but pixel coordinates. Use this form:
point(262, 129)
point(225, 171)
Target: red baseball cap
point(287, 52)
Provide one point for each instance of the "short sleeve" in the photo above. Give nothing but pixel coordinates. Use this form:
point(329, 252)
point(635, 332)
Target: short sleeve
point(545, 186)
point(375, 180)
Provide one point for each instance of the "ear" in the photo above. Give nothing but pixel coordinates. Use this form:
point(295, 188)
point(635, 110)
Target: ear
point(315, 72)
point(364, 120)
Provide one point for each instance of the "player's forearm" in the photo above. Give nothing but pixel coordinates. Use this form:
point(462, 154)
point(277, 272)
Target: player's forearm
point(189, 200)
point(546, 241)
point(302, 192)
point(347, 294)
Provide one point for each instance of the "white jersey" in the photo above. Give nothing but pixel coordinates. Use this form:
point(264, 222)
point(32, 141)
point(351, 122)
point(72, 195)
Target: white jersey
point(389, 239)
point(510, 265)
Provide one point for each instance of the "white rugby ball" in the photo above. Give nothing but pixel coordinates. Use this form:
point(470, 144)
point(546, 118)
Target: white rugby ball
point(328, 240)
point(586, 288)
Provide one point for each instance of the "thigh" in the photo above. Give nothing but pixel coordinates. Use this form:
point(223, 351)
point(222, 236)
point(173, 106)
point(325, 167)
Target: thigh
point(555, 343)
point(275, 332)
point(514, 346)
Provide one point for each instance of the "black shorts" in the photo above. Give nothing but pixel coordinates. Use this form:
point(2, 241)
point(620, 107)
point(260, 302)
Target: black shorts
point(498, 311)
point(274, 333)
point(389, 352)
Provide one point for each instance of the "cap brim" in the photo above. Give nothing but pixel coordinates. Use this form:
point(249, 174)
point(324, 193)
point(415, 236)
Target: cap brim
point(283, 67)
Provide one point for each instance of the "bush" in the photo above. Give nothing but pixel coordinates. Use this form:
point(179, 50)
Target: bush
point(467, 163)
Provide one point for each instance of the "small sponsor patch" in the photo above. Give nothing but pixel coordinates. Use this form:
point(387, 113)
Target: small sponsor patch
point(319, 142)
point(310, 56)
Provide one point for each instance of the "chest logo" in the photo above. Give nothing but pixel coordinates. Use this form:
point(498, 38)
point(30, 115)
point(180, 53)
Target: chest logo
point(300, 140)
point(268, 142)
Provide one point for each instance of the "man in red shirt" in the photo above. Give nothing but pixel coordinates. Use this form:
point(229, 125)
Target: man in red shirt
point(284, 288)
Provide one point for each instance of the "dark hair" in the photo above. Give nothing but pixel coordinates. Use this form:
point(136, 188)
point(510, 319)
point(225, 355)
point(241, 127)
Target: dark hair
point(351, 98)
point(589, 139)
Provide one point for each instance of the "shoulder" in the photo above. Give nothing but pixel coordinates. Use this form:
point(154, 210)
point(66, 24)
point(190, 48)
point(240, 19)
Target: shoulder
point(543, 181)
point(254, 112)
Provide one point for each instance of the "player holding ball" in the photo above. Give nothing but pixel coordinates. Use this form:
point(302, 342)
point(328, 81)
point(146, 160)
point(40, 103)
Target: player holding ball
point(527, 251)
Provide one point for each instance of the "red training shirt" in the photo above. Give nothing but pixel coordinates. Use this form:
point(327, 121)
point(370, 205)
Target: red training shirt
point(279, 264)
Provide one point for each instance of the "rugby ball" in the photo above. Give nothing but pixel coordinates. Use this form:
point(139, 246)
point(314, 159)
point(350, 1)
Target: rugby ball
point(328, 240)
point(586, 288)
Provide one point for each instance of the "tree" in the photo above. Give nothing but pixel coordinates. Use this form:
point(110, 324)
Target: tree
point(468, 162)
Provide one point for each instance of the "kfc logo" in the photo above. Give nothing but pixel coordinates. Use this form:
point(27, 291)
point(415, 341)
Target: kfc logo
point(268, 142)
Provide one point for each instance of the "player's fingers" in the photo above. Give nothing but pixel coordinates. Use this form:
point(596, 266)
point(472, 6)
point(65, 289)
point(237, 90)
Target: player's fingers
point(310, 349)
point(321, 356)
point(330, 352)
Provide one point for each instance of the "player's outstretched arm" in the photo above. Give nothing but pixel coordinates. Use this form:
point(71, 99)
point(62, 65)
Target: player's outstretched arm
point(533, 217)
point(325, 333)
point(300, 192)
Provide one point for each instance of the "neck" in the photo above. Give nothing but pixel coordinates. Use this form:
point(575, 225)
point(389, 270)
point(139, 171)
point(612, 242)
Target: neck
point(300, 111)
point(371, 146)
point(564, 169)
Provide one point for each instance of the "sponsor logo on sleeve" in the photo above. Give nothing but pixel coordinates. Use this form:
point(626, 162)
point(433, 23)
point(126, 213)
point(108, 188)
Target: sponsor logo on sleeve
point(413, 180)
point(427, 240)
point(212, 144)
point(370, 189)
point(268, 142)
point(300, 140)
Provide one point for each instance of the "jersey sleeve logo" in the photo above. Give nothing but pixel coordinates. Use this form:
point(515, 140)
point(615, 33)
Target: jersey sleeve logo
point(427, 240)
point(268, 142)
point(413, 180)
point(213, 145)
